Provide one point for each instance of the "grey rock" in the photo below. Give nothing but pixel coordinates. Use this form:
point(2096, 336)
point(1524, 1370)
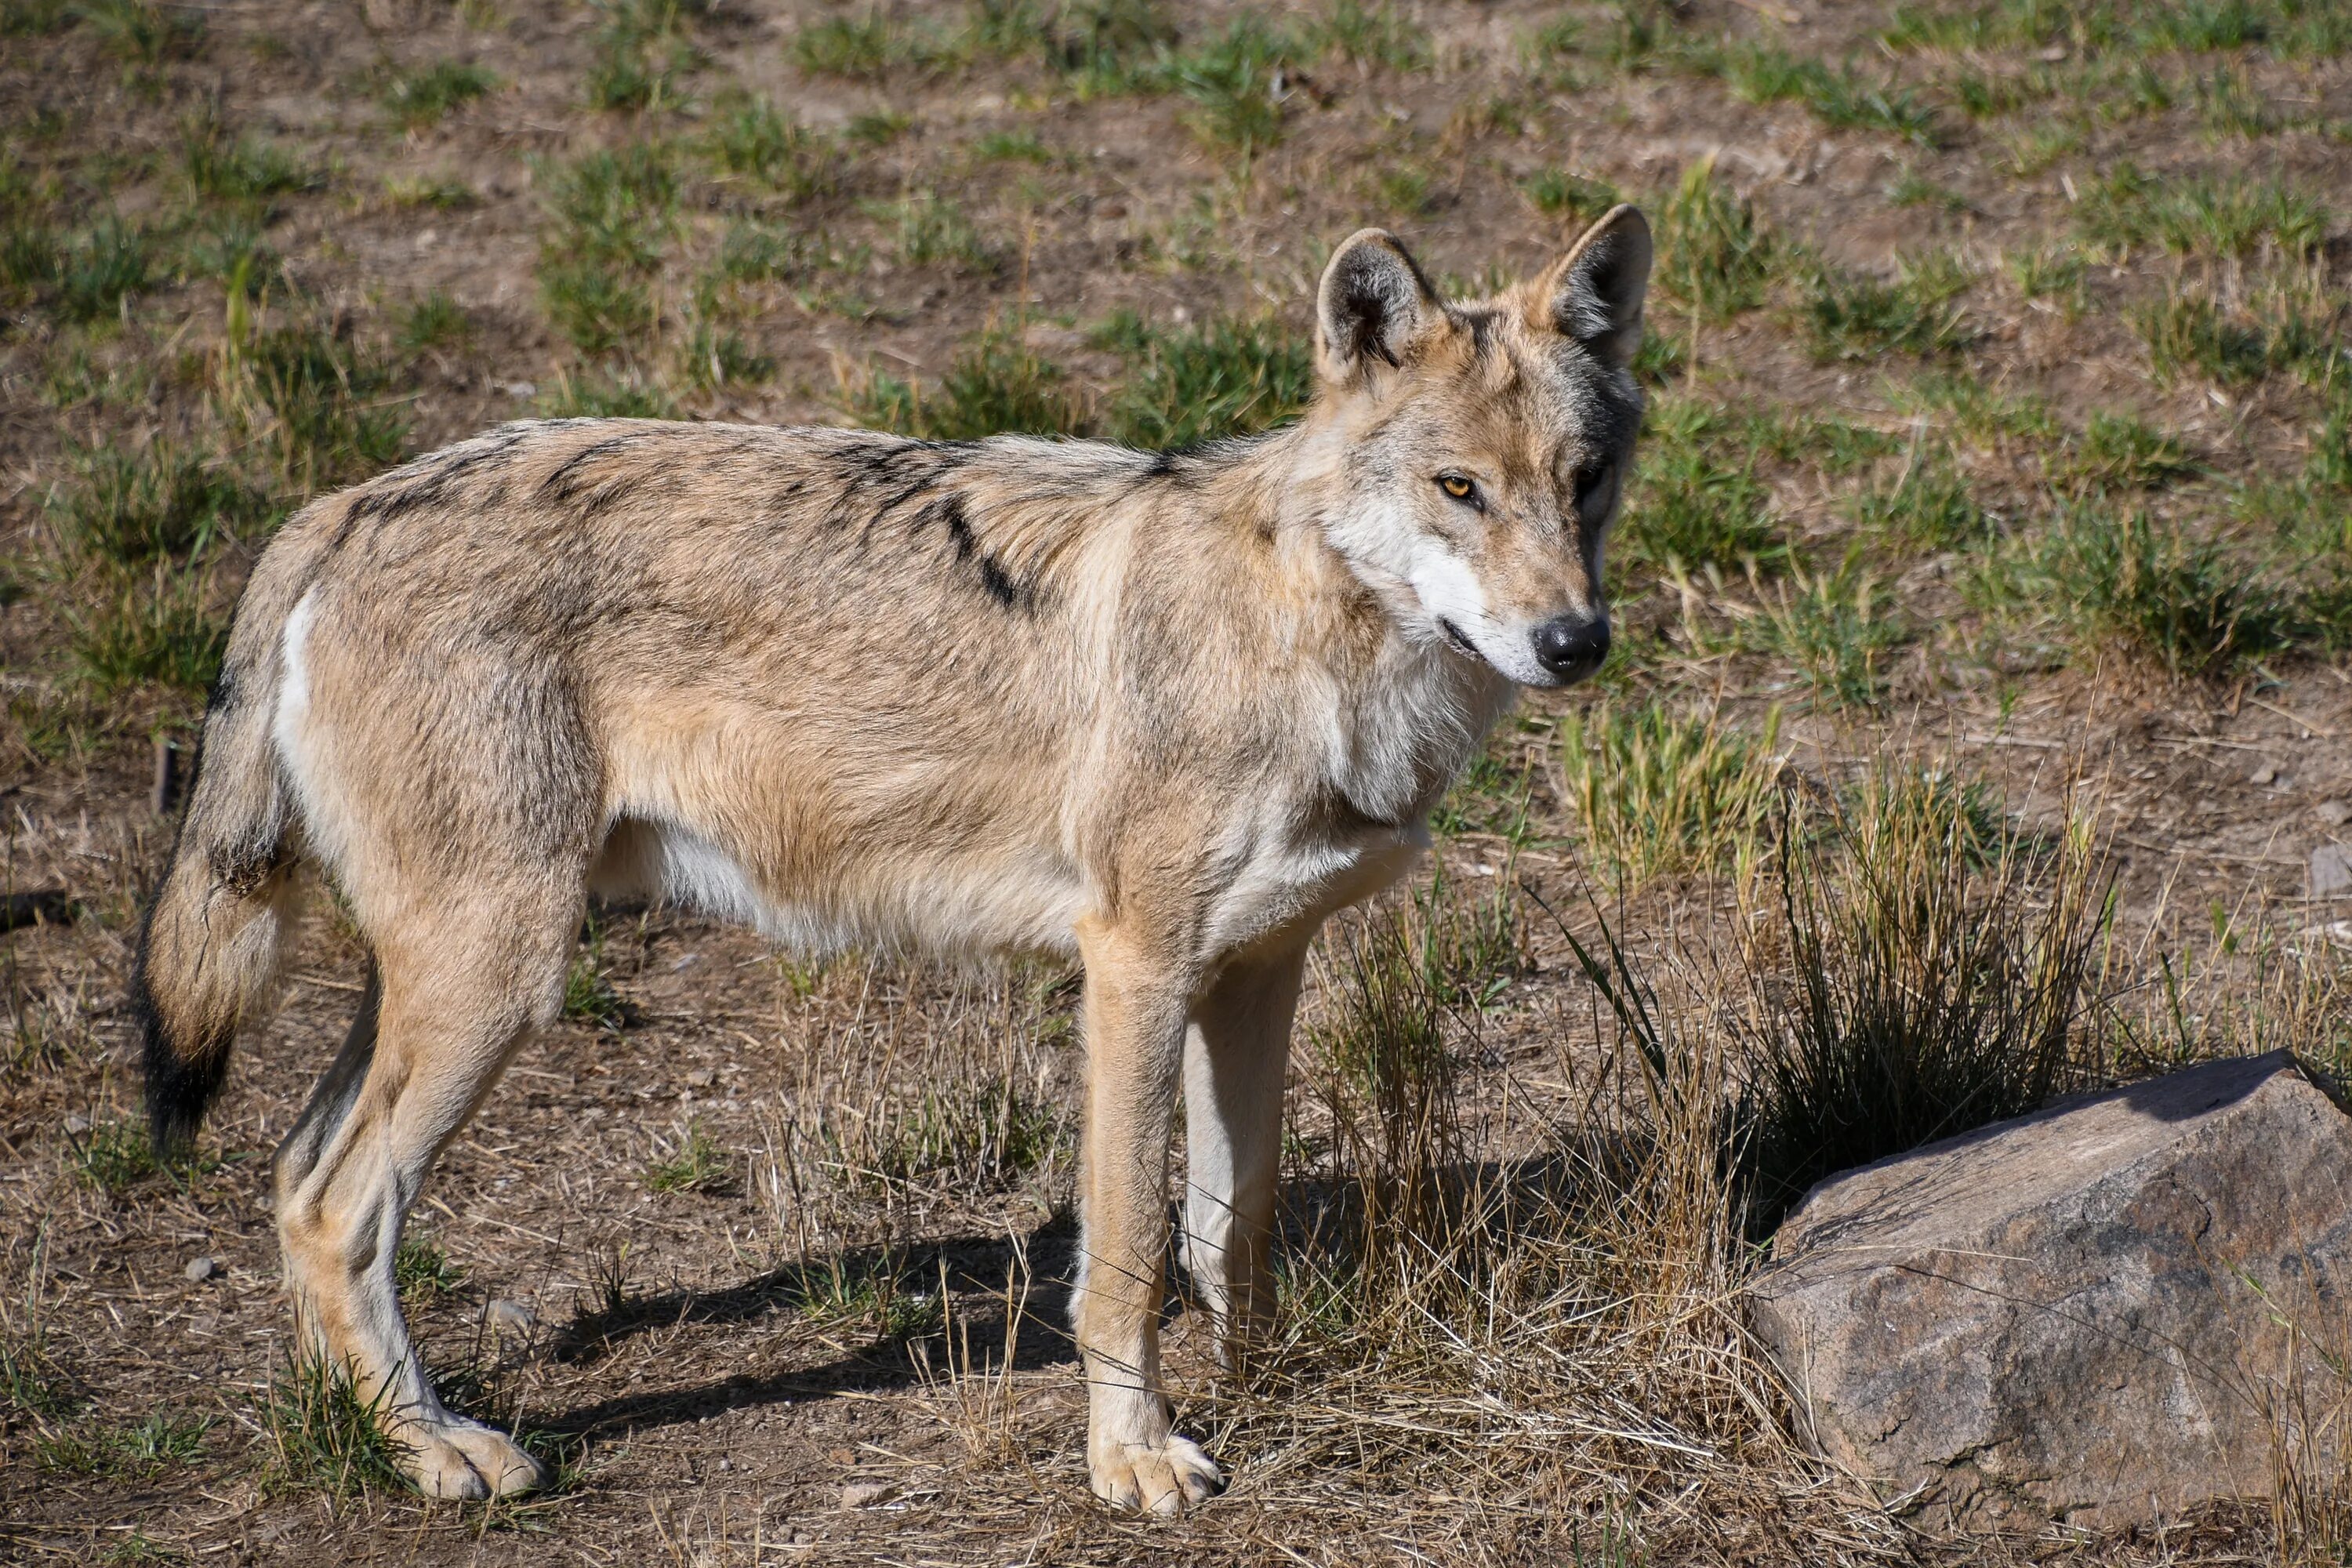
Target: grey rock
point(2333, 813)
point(510, 1317)
point(865, 1494)
point(2064, 1317)
point(200, 1269)
point(2331, 871)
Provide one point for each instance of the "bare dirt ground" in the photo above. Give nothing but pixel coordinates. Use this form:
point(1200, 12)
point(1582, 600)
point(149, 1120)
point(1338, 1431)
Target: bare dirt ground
point(770, 1254)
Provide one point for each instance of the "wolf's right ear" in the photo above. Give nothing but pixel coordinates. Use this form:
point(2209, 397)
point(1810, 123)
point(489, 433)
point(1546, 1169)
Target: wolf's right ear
point(1374, 300)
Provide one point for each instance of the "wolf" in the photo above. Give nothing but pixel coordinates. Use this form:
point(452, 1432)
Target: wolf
point(1163, 711)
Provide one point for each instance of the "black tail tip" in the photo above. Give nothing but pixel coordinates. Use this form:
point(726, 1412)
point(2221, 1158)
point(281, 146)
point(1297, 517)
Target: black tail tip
point(181, 1082)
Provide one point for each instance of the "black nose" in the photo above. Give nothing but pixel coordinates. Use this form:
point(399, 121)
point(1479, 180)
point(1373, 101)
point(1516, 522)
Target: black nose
point(1572, 647)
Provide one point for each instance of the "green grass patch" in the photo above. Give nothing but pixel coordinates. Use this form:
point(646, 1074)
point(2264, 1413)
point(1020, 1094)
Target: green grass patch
point(589, 996)
point(101, 266)
point(1201, 382)
point(1688, 511)
point(141, 33)
point(872, 46)
point(317, 399)
point(1657, 790)
point(135, 1453)
point(421, 1270)
point(611, 214)
point(428, 94)
point(1556, 192)
point(996, 385)
point(594, 396)
point(1848, 316)
point(2187, 333)
point(2117, 452)
point(2130, 209)
point(691, 1162)
point(408, 192)
point(116, 1158)
point(1229, 79)
point(1835, 627)
point(1929, 504)
point(931, 230)
point(434, 320)
point(1713, 258)
point(1822, 441)
point(321, 1436)
point(222, 165)
point(129, 507)
point(2174, 600)
point(641, 50)
point(147, 630)
point(713, 356)
point(751, 137)
point(1384, 36)
point(1836, 96)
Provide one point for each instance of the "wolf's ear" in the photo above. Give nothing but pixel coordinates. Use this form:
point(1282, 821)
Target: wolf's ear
point(1374, 300)
point(1593, 294)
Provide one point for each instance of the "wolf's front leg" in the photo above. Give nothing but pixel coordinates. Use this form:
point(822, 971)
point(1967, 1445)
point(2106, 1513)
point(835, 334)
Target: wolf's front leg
point(1137, 999)
point(1235, 1058)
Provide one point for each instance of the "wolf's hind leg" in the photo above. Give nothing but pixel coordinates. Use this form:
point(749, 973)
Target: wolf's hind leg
point(1235, 1056)
point(453, 998)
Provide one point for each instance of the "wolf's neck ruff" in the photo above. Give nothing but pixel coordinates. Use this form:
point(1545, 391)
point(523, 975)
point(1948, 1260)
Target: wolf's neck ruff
point(1165, 711)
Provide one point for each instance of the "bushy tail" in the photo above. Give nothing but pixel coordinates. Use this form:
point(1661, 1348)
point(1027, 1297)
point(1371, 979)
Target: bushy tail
point(209, 948)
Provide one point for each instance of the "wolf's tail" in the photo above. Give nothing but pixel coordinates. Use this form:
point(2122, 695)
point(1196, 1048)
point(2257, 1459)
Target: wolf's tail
point(210, 946)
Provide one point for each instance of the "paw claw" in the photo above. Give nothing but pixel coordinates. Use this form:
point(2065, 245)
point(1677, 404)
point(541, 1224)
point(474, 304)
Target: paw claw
point(465, 1461)
point(1164, 1478)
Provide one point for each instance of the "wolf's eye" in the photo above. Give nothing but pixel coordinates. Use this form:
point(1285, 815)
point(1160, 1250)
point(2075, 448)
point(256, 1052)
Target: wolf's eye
point(1459, 488)
point(1592, 483)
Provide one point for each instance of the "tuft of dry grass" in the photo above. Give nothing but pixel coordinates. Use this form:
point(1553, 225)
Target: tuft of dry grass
point(1918, 967)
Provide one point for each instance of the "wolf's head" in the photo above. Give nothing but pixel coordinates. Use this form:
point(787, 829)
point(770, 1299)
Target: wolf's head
point(1480, 445)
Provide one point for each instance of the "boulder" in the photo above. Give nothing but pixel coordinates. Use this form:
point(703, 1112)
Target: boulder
point(2077, 1315)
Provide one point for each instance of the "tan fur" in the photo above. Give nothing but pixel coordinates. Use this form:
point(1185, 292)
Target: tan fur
point(1164, 712)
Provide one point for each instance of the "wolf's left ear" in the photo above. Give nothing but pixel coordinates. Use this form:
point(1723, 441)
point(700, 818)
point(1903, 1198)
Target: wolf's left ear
point(1374, 300)
point(1593, 294)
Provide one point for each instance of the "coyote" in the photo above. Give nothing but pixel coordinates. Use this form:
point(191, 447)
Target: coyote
point(1164, 711)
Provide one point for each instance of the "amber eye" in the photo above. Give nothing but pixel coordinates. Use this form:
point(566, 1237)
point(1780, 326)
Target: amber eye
point(1456, 486)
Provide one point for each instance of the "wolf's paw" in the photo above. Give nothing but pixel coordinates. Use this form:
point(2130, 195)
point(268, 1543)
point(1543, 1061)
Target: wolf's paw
point(1164, 1479)
point(457, 1458)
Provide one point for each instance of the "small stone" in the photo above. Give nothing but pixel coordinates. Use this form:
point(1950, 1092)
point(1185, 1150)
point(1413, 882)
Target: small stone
point(522, 389)
point(511, 1316)
point(2267, 773)
point(864, 1494)
point(700, 1078)
point(2331, 812)
point(2331, 871)
point(200, 1269)
point(725, 1464)
point(76, 1124)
